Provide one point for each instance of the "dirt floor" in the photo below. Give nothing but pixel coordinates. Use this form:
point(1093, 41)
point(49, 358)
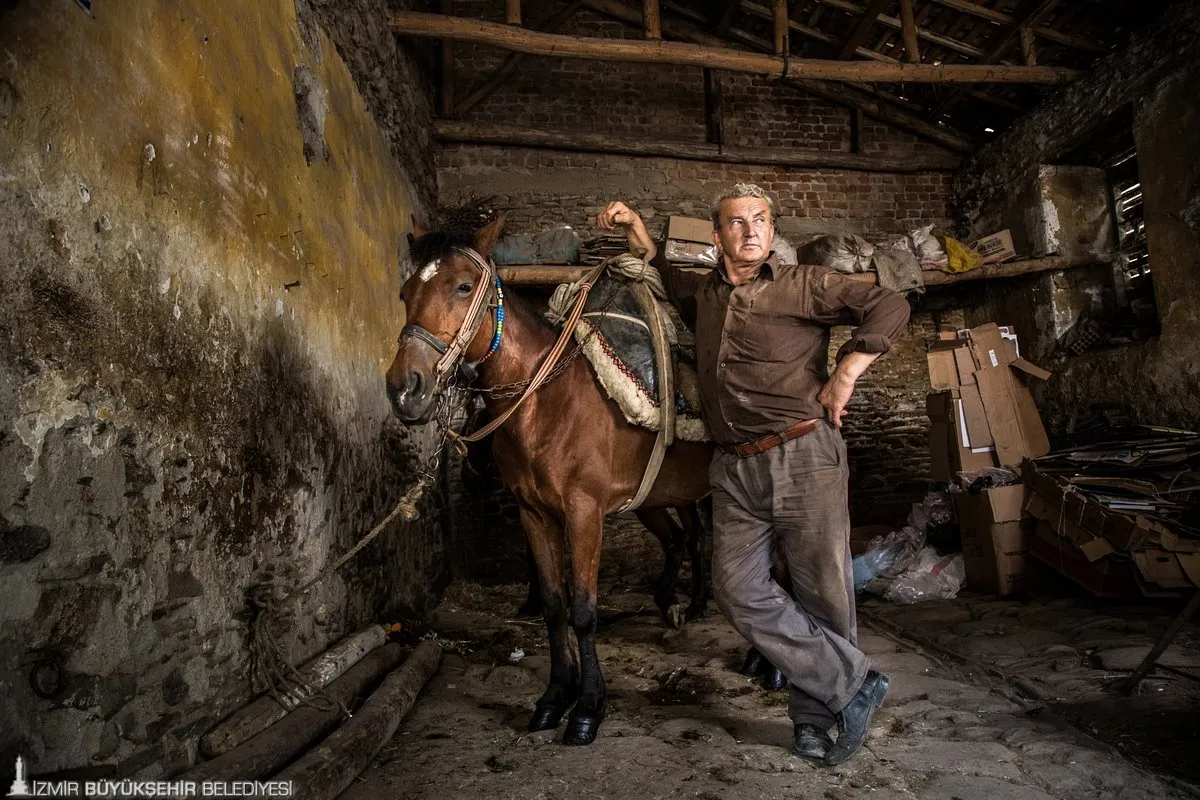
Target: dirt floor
point(990, 698)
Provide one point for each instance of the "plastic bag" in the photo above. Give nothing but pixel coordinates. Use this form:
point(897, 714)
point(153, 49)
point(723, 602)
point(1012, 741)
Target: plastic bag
point(932, 576)
point(886, 557)
point(844, 252)
point(984, 479)
point(960, 258)
point(927, 248)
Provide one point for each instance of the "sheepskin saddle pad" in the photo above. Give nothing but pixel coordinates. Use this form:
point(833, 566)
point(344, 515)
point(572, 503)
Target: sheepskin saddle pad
point(616, 341)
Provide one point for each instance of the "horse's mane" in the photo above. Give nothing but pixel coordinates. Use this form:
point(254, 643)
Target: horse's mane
point(455, 226)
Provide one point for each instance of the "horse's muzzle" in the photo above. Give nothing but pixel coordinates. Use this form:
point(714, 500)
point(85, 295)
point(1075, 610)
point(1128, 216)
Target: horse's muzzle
point(411, 395)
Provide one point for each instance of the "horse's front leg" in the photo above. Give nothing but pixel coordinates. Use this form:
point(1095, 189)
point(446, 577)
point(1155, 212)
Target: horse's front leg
point(545, 542)
point(585, 533)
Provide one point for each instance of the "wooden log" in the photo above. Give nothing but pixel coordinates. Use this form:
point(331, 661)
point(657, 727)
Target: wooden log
point(714, 110)
point(269, 751)
point(780, 25)
point(862, 27)
point(512, 12)
point(582, 141)
point(329, 768)
point(545, 275)
point(908, 27)
point(1028, 47)
point(651, 19)
point(446, 101)
point(836, 93)
point(440, 26)
point(264, 711)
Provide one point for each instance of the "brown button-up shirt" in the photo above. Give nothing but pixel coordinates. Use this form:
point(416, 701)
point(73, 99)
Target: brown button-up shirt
point(763, 347)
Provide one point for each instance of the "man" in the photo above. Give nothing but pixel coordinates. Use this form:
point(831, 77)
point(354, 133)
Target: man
point(780, 473)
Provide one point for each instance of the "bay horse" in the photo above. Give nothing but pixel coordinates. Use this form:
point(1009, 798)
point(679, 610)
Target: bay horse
point(567, 452)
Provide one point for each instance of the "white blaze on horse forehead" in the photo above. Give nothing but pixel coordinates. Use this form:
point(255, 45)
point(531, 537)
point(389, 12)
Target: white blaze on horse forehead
point(429, 270)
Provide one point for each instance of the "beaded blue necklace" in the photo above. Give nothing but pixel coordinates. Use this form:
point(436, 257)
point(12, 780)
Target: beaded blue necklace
point(499, 323)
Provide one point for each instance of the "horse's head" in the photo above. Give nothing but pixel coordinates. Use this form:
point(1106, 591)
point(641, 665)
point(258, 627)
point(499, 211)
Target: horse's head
point(446, 284)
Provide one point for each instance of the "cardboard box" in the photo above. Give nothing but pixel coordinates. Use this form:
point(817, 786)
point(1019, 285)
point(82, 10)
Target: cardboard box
point(689, 252)
point(1059, 554)
point(996, 248)
point(950, 449)
point(983, 366)
point(996, 537)
point(689, 229)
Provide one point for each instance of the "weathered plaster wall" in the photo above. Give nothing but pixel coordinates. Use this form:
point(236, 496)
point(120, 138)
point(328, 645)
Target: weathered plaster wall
point(1156, 75)
point(200, 227)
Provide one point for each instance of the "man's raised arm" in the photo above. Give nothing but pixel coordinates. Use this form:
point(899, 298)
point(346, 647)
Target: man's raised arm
point(617, 213)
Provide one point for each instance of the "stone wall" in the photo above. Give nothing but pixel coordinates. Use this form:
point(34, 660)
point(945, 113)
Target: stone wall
point(200, 229)
point(1152, 82)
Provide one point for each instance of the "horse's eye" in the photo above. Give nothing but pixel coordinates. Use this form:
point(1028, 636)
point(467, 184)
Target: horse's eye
point(464, 288)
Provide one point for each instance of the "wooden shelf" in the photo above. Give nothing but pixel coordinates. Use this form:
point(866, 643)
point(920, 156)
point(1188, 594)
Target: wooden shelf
point(552, 275)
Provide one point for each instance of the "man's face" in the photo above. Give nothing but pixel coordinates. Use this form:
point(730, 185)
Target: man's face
point(745, 233)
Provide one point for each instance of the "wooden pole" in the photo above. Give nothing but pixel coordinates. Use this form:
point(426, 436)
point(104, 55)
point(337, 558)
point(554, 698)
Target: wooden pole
point(256, 716)
point(446, 105)
point(266, 753)
point(713, 109)
point(856, 130)
point(539, 275)
point(512, 12)
point(908, 23)
point(411, 23)
point(781, 27)
point(325, 772)
point(1028, 47)
point(651, 19)
point(588, 142)
point(1168, 636)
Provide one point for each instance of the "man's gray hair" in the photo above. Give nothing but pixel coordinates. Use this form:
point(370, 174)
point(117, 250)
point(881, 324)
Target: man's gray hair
point(741, 190)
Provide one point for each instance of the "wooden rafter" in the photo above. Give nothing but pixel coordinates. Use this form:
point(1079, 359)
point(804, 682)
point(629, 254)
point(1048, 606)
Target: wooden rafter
point(1028, 14)
point(908, 24)
point(440, 26)
point(780, 27)
point(844, 95)
point(1028, 46)
point(446, 104)
point(512, 12)
point(1044, 31)
point(651, 19)
point(862, 26)
point(586, 142)
point(509, 66)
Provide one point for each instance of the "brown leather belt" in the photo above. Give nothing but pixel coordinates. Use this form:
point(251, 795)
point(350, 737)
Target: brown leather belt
point(772, 440)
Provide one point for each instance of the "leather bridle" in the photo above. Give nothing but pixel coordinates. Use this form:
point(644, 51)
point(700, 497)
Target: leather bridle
point(452, 354)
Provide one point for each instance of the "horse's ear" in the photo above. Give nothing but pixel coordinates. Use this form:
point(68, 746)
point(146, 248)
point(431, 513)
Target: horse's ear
point(485, 237)
point(418, 230)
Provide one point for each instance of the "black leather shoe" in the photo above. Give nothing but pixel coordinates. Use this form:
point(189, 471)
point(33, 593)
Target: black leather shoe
point(773, 679)
point(809, 741)
point(754, 663)
point(854, 721)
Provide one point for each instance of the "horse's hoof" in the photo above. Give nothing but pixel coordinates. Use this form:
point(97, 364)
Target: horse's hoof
point(675, 616)
point(582, 729)
point(546, 718)
point(773, 679)
point(754, 663)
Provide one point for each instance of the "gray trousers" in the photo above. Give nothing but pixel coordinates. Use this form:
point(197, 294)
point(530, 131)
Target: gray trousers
point(793, 496)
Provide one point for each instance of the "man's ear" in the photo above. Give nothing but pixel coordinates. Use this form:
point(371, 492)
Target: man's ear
point(418, 230)
point(716, 240)
point(485, 237)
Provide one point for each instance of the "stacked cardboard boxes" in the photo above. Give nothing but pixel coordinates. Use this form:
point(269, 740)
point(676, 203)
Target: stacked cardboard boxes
point(982, 415)
point(981, 411)
point(1110, 553)
point(687, 239)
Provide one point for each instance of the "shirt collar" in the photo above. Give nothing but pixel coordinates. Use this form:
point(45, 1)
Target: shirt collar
point(767, 270)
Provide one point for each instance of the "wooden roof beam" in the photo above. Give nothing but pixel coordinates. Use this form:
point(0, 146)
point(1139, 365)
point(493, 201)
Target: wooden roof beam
point(440, 26)
point(1044, 31)
point(587, 142)
point(892, 22)
point(862, 27)
point(877, 106)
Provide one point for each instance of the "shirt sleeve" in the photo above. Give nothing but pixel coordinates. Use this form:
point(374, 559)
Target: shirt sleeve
point(681, 289)
point(878, 315)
